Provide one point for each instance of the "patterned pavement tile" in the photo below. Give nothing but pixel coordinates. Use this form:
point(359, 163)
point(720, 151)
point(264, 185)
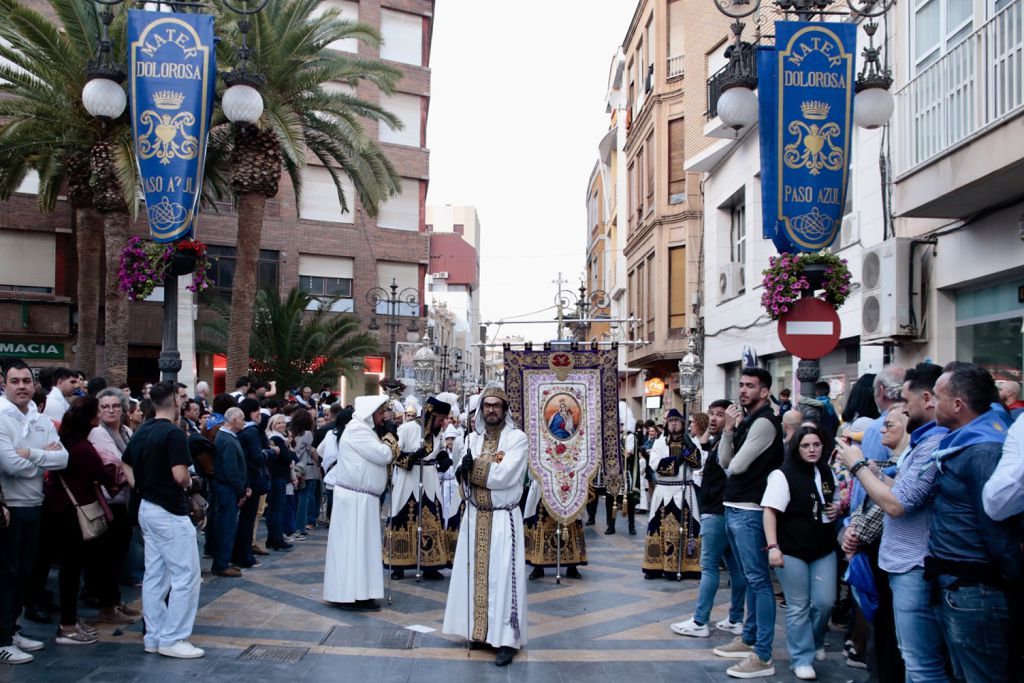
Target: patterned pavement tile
point(610, 626)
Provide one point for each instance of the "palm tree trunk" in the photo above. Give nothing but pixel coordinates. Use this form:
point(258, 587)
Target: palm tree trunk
point(115, 231)
point(89, 240)
point(251, 206)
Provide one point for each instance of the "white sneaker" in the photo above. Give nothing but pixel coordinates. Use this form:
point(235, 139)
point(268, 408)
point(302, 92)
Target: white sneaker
point(12, 654)
point(819, 655)
point(733, 627)
point(805, 673)
point(27, 644)
point(691, 628)
point(181, 650)
point(150, 649)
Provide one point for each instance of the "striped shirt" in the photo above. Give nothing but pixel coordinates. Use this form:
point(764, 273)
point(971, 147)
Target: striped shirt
point(905, 539)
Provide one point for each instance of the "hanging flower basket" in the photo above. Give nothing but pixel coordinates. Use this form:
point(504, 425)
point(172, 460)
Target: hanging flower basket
point(790, 276)
point(145, 264)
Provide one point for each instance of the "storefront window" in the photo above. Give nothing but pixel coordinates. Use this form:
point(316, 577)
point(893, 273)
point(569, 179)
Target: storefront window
point(989, 329)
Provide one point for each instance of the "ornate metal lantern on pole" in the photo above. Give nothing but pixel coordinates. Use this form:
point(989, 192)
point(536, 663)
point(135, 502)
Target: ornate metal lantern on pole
point(425, 365)
point(394, 302)
point(691, 374)
point(585, 308)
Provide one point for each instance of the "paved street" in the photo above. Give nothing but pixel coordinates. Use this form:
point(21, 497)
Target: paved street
point(611, 626)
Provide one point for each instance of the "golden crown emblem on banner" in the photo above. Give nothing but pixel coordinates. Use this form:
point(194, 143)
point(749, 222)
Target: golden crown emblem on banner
point(168, 99)
point(815, 110)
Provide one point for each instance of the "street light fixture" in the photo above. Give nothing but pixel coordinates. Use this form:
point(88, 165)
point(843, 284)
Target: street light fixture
point(104, 98)
point(393, 301)
point(737, 104)
point(103, 95)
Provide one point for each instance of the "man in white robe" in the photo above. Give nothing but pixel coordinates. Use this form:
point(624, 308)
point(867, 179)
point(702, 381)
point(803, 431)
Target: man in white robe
point(487, 594)
point(352, 574)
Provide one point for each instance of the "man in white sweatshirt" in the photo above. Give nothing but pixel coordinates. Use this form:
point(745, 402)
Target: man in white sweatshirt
point(29, 446)
point(65, 382)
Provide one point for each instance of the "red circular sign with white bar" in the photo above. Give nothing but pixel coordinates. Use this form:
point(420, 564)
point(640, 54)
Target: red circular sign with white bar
point(810, 329)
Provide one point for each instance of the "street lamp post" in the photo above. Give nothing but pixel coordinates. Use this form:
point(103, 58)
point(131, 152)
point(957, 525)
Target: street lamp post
point(585, 307)
point(424, 363)
point(104, 98)
point(393, 301)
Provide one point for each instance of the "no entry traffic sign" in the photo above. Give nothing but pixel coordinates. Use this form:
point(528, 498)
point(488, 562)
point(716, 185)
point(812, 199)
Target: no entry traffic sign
point(810, 329)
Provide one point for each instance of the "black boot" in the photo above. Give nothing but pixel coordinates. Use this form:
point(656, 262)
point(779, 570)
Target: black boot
point(631, 515)
point(632, 529)
point(397, 574)
point(591, 511)
point(537, 573)
point(610, 530)
point(432, 575)
point(505, 655)
point(573, 573)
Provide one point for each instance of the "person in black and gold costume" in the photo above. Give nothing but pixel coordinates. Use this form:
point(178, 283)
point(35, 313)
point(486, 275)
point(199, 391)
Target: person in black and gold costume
point(415, 448)
point(540, 530)
point(675, 517)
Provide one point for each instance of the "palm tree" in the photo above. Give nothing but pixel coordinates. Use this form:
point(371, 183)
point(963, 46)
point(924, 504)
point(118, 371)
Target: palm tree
point(301, 118)
point(296, 340)
point(46, 129)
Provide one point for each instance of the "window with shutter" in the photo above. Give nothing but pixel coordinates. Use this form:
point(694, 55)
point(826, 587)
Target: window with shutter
point(401, 37)
point(402, 212)
point(676, 161)
point(407, 109)
point(649, 151)
point(406, 277)
point(676, 290)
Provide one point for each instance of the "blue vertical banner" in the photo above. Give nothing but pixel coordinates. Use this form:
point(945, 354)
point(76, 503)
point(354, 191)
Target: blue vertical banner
point(806, 89)
point(172, 87)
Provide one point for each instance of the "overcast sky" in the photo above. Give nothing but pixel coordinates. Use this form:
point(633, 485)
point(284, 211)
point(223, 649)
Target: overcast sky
point(516, 112)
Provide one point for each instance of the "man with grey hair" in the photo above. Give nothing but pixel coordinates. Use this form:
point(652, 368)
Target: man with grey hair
point(230, 490)
point(202, 396)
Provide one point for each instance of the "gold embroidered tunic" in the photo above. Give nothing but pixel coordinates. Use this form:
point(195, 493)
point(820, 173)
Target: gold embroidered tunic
point(487, 594)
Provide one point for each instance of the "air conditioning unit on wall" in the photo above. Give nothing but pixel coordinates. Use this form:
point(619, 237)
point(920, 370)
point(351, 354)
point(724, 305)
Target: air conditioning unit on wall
point(731, 281)
point(887, 292)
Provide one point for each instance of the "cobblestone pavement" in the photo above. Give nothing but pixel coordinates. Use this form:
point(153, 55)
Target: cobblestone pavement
point(272, 624)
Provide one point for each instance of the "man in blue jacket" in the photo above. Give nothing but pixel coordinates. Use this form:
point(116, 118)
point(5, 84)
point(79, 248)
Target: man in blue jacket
point(230, 490)
point(974, 562)
point(255, 449)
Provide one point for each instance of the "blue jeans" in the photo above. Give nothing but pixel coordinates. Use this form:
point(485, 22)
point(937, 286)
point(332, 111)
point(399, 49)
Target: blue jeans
point(225, 524)
point(172, 574)
point(290, 513)
point(302, 504)
point(275, 512)
point(316, 495)
point(976, 623)
point(746, 538)
point(715, 546)
point(810, 590)
point(917, 628)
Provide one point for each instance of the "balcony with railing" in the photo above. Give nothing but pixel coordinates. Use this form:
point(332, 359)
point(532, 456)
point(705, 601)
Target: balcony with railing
point(674, 68)
point(954, 112)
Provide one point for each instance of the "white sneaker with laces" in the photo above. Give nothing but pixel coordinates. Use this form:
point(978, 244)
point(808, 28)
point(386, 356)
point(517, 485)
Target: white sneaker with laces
point(12, 654)
point(805, 673)
point(691, 628)
point(181, 650)
point(819, 655)
point(27, 644)
point(733, 627)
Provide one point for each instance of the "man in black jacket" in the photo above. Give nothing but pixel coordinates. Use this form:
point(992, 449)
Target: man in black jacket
point(750, 448)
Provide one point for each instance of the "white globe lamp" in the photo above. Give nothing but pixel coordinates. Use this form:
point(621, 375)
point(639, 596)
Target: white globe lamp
point(104, 98)
point(872, 107)
point(242, 104)
point(737, 107)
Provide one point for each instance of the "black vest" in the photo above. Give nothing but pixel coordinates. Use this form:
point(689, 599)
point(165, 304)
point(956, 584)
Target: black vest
point(800, 529)
point(748, 487)
point(712, 485)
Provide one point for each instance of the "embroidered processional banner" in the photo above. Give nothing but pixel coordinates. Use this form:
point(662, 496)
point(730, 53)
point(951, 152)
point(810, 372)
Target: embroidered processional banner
point(567, 403)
